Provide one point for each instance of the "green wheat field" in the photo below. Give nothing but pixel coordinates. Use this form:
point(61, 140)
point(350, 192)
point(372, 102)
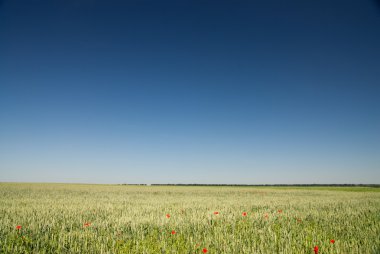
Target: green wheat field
point(79, 218)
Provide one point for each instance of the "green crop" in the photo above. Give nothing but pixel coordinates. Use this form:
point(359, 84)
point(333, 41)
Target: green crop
point(73, 218)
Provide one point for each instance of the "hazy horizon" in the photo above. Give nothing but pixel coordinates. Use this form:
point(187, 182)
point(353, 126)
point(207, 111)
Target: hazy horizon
point(246, 92)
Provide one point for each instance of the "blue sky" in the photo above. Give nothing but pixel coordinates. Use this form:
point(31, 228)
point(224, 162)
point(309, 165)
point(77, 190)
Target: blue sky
point(243, 92)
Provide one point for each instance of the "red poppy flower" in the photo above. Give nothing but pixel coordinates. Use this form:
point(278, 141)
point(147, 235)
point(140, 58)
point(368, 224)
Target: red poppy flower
point(266, 216)
point(316, 249)
point(279, 211)
point(87, 224)
point(244, 214)
point(332, 241)
point(18, 227)
point(168, 216)
point(204, 250)
point(216, 213)
point(173, 232)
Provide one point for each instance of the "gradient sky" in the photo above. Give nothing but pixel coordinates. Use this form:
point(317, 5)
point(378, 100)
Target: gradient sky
point(243, 92)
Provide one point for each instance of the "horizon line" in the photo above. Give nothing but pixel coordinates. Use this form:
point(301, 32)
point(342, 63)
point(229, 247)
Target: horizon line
point(212, 184)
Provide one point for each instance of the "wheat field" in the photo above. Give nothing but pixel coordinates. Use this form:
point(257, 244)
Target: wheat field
point(79, 218)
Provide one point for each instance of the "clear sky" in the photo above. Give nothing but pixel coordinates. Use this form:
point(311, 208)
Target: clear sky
point(242, 92)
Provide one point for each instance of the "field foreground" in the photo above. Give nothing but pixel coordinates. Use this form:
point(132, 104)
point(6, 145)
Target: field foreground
point(71, 218)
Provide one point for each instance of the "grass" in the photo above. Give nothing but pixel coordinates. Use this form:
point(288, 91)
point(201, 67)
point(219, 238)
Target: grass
point(331, 188)
point(132, 219)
